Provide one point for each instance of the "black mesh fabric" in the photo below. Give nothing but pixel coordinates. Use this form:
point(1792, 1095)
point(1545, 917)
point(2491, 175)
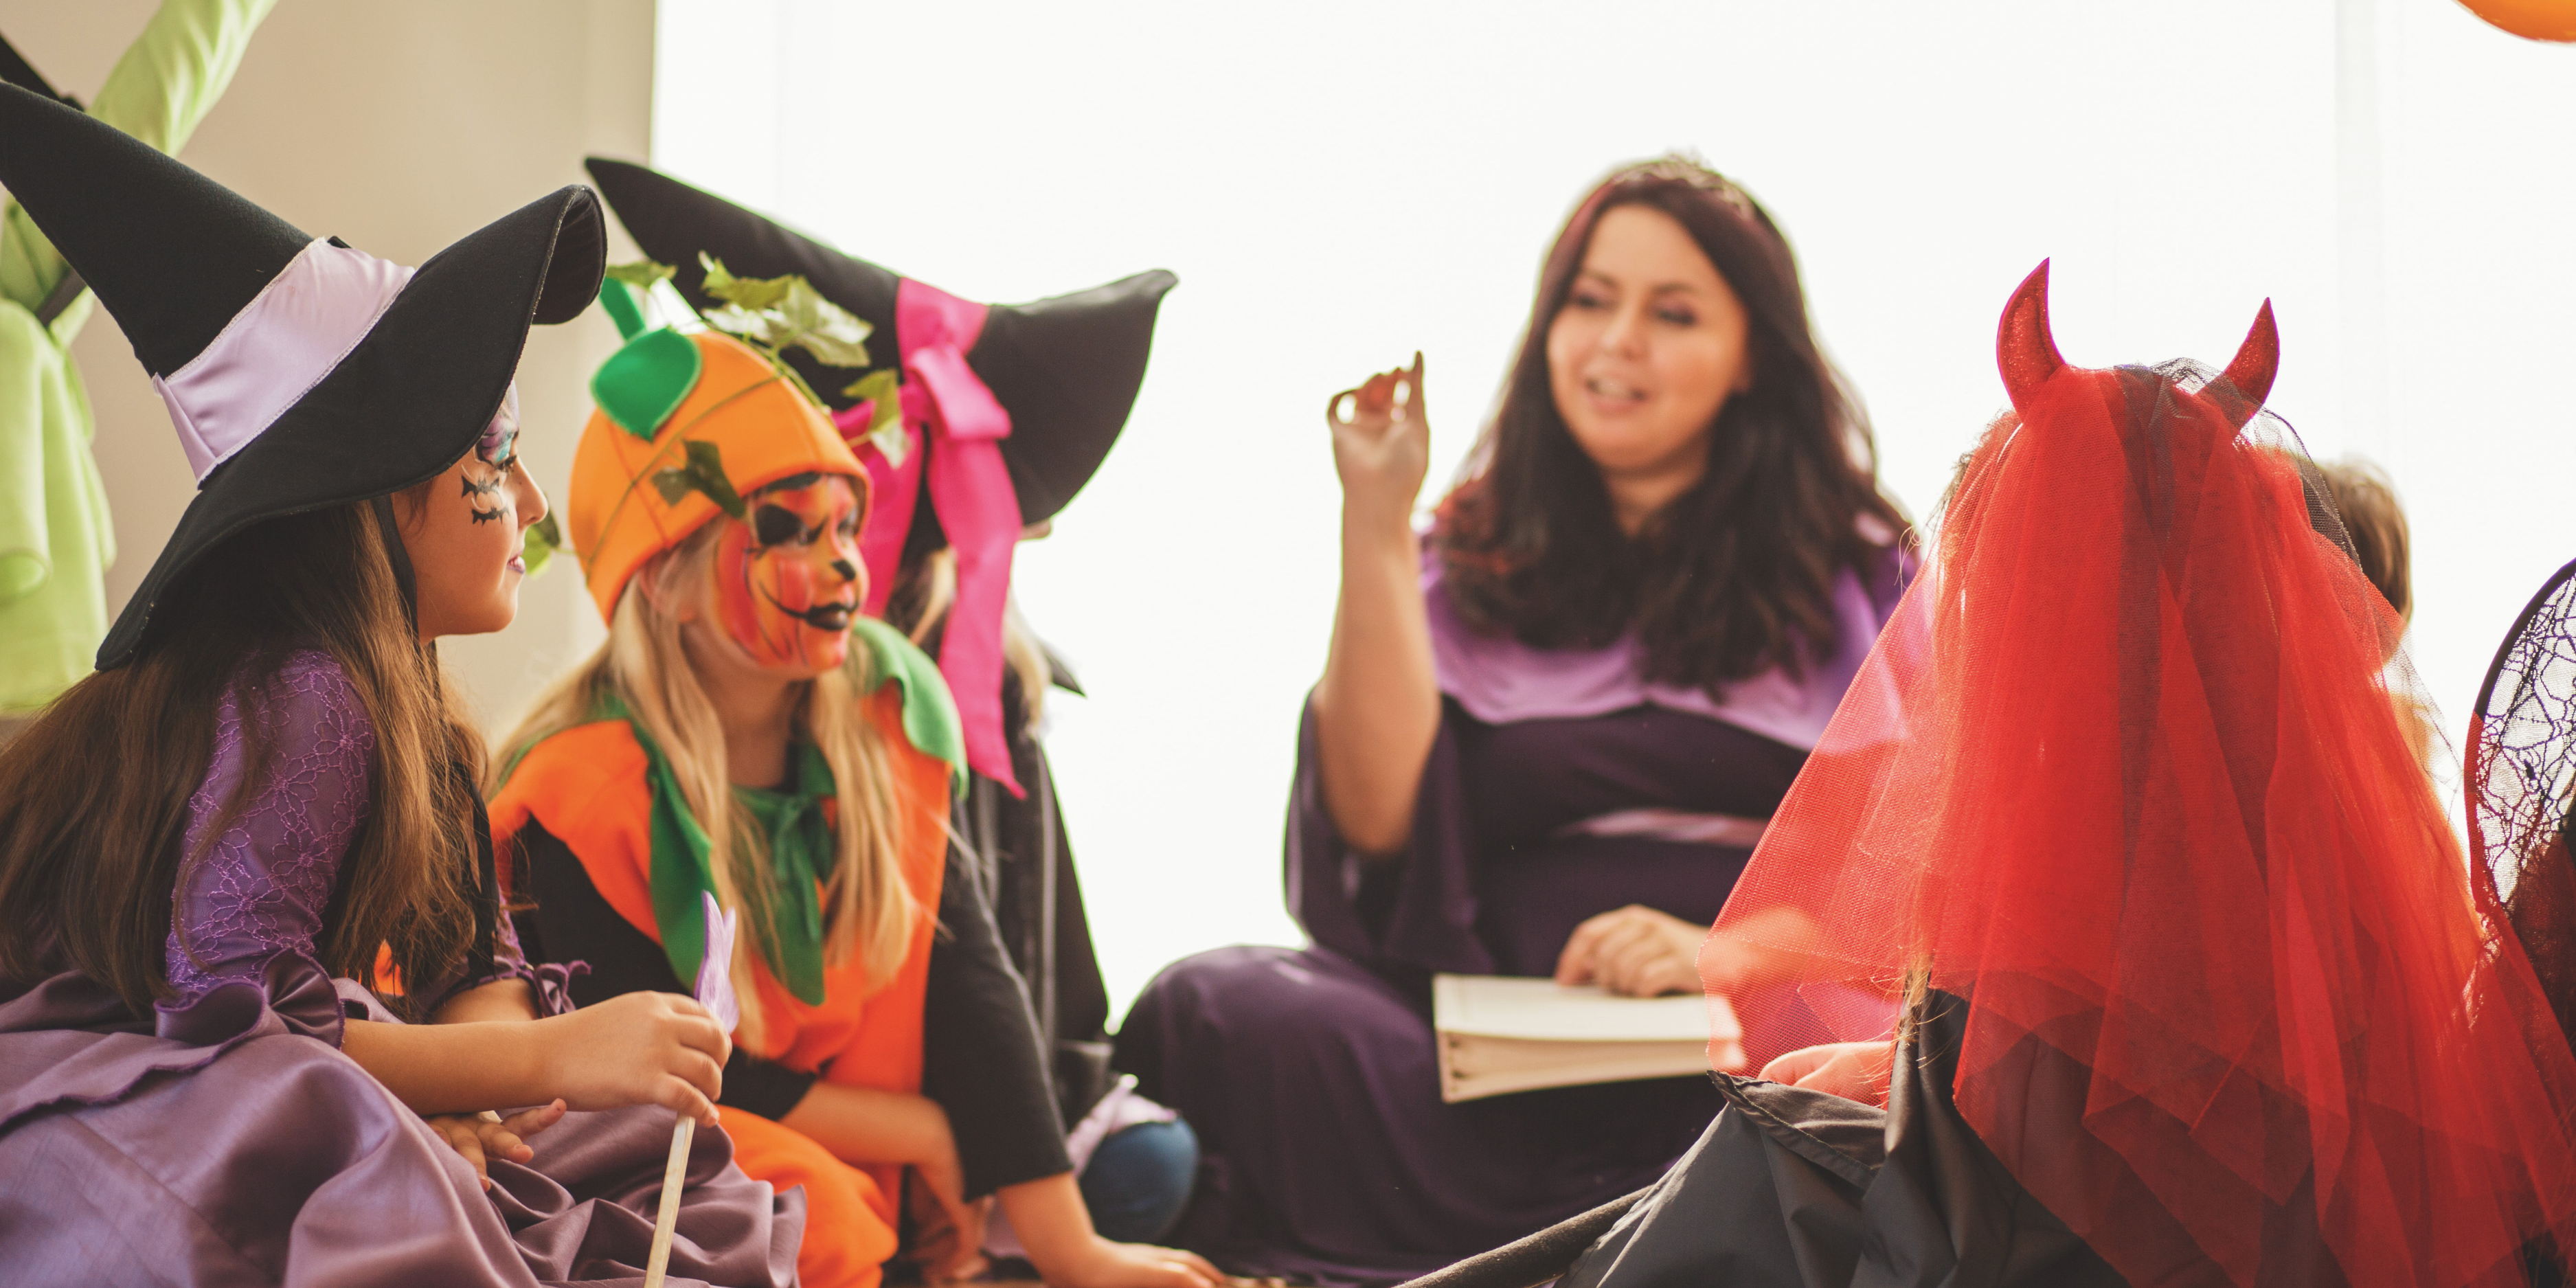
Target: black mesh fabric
point(2522, 782)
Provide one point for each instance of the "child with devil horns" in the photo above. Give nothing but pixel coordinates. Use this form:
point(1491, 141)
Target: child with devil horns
point(260, 1003)
point(750, 732)
point(2196, 985)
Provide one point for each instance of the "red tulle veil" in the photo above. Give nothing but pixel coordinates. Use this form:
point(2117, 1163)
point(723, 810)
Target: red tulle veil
point(2127, 775)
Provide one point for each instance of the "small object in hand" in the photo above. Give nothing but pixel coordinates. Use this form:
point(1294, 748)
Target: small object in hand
point(715, 969)
point(715, 992)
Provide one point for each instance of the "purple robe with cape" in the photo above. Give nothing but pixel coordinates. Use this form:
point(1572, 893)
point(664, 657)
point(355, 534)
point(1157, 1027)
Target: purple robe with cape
point(224, 1139)
point(1561, 785)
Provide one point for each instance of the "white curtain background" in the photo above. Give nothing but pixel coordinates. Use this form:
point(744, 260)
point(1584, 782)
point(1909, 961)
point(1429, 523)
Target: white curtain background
point(1339, 184)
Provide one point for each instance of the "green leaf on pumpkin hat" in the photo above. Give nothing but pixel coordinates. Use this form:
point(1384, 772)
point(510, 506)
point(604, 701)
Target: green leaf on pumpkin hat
point(704, 474)
point(641, 274)
point(884, 391)
point(646, 380)
point(622, 288)
point(779, 313)
point(540, 545)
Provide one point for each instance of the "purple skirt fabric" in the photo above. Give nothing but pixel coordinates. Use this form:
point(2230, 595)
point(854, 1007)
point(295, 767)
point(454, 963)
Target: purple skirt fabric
point(251, 1153)
point(1314, 1088)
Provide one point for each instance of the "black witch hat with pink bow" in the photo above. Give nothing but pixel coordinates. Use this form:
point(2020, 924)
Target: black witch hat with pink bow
point(1007, 409)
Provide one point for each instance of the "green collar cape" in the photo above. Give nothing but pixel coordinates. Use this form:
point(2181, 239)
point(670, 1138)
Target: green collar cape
point(801, 848)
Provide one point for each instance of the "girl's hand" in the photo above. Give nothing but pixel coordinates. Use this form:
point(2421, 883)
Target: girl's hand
point(952, 1242)
point(1104, 1264)
point(1852, 1070)
point(1634, 952)
point(639, 1049)
point(1384, 449)
point(481, 1137)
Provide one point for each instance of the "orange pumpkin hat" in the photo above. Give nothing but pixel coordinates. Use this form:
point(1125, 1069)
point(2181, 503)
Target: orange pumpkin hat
point(687, 424)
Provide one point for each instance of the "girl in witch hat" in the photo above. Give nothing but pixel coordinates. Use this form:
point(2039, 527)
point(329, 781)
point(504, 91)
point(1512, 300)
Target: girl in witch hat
point(259, 999)
point(937, 543)
point(53, 507)
point(749, 732)
point(2198, 988)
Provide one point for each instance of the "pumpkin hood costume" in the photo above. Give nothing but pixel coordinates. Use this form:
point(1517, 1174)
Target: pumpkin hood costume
point(687, 424)
point(689, 429)
point(1002, 412)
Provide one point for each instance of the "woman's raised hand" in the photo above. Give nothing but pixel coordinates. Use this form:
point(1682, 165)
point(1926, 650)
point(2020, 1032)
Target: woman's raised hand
point(639, 1049)
point(1383, 448)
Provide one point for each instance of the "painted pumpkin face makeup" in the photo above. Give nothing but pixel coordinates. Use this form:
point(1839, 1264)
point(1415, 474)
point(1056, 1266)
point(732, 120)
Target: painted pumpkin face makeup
point(787, 576)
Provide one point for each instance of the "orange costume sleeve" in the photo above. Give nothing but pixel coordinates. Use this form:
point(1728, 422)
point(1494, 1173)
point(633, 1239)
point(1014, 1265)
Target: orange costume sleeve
point(587, 787)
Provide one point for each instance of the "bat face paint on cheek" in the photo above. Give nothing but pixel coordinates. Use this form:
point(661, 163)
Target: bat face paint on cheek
point(498, 448)
point(787, 578)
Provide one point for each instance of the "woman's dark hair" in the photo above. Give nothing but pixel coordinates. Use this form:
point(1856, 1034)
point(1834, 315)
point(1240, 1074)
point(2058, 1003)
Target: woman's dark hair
point(94, 792)
point(1735, 575)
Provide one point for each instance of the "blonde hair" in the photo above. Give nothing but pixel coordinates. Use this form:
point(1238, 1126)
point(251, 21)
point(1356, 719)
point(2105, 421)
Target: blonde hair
point(867, 906)
point(923, 597)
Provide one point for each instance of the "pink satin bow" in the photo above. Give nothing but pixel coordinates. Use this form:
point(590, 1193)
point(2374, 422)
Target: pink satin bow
point(947, 404)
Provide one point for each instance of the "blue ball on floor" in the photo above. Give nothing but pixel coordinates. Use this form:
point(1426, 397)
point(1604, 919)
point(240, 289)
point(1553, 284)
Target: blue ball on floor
point(1139, 1180)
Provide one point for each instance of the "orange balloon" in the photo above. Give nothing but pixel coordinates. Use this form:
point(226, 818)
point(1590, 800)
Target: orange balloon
point(2535, 19)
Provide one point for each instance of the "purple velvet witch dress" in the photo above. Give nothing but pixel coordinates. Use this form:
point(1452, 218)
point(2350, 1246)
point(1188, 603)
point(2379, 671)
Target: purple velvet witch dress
point(225, 1139)
point(1561, 785)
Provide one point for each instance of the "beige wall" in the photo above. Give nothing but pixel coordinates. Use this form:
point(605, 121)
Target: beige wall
point(398, 126)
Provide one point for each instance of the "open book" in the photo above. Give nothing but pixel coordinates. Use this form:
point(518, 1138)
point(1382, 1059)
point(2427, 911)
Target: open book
point(1500, 1034)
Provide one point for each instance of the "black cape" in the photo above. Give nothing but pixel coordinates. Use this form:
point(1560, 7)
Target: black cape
point(1796, 1187)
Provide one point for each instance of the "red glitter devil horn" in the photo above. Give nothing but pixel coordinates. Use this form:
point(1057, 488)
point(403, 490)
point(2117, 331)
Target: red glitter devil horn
point(2024, 351)
point(2256, 361)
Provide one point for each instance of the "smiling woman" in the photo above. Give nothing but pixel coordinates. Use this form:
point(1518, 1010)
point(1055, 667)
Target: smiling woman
point(1544, 745)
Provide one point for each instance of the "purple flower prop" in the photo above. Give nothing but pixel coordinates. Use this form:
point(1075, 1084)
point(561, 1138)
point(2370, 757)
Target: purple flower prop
point(715, 970)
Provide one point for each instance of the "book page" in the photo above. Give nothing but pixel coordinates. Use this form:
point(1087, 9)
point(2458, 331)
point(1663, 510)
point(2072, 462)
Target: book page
point(1515, 1007)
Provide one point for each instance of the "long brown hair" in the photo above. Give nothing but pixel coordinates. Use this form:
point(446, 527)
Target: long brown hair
point(1733, 576)
point(94, 793)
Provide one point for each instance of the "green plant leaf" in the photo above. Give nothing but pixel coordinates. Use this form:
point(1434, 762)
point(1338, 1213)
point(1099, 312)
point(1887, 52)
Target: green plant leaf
point(704, 474)
point(883, 389)
point(641, 274)
point(717, 277)
point(835, 336)
point(781, 313)
point(754, 293)
point(540, 545)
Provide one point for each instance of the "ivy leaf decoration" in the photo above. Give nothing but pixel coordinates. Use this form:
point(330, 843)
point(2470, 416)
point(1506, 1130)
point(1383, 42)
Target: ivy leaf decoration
point(641, 274)
point(704, 474)
point(776, 314)
point(885, 417)
point(540, 545)
point(835, 336)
